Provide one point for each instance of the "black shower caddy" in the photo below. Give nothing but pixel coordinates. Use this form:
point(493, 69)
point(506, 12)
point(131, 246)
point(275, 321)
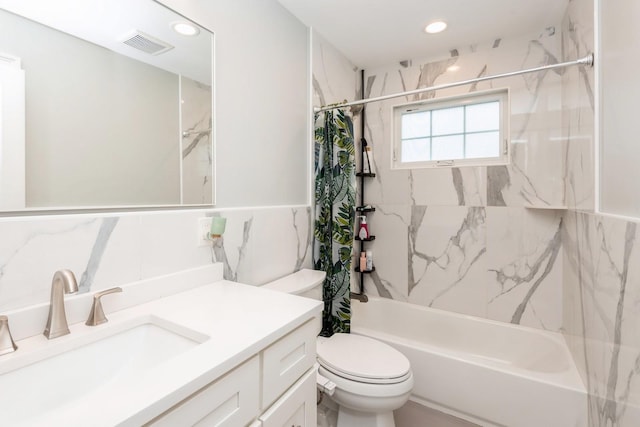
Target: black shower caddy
point(363, 209)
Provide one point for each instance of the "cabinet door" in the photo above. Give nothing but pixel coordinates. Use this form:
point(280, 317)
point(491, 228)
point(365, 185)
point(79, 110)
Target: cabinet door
point(230, 401)
point(286, 361)
point(296, 408)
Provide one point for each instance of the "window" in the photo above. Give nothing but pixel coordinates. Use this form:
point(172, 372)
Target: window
point(463, 130)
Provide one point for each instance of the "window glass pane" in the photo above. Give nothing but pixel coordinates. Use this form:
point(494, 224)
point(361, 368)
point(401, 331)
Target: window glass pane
point(447, 121)
point(415, 125)
point(486, 144)
point(448, 147)
point(481, 117)
point(465, 130)
point(415, 150)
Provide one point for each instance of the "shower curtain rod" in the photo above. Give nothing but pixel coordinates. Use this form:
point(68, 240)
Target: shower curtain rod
point(586, 61)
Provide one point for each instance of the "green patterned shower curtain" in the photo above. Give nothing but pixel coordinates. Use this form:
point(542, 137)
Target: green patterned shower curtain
point(334, 215)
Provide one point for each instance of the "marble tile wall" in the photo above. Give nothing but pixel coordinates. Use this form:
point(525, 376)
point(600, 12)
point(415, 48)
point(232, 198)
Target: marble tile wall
point(471, 245)
point(601, 274)
point(259, 245)
point(335, 78)
point(197, 152)
point(578, 106)
point(602, 313)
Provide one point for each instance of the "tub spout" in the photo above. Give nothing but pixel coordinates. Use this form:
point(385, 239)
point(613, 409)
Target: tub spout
point(64, 282)
point(360, 297)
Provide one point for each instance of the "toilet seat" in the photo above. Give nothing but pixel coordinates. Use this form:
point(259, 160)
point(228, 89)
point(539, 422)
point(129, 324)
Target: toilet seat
point(363, 359)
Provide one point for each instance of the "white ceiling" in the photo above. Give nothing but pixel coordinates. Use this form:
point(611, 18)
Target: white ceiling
point(379, 32)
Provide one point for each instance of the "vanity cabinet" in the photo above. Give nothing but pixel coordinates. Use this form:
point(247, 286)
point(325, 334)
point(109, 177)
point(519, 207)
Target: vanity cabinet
point(296, 408)
point(274, 388)
point(232, 400)
point(285, 361)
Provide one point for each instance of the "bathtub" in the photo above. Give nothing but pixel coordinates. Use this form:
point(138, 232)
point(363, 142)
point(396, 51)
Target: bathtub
point(487, 372)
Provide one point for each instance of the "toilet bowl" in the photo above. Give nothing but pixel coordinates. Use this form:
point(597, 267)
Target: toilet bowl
point(372, 379)
point(369, 379)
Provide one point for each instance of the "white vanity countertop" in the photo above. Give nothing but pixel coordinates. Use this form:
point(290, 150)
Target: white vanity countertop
point(240, 320)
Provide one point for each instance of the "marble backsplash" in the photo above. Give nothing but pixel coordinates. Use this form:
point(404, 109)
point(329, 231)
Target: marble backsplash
point(260, 245)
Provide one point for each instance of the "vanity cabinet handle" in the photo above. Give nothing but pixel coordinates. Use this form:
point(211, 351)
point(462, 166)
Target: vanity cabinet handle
point(97, 317)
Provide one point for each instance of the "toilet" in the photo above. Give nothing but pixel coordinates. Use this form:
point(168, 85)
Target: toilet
point(368, 378)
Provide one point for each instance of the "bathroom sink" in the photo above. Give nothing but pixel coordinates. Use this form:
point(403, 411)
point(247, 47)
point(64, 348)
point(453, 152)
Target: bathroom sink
point(60, 372)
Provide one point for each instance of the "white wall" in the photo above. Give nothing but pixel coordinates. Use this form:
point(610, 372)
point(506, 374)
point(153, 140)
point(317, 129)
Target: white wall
point(262, 102)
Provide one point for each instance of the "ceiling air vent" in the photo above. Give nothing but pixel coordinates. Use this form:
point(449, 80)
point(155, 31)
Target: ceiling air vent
point(144, 42)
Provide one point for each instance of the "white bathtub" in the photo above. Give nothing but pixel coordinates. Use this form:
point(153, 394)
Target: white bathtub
point(487, 372)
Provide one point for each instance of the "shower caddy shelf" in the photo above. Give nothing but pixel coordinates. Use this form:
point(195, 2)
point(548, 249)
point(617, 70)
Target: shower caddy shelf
point(363, 210)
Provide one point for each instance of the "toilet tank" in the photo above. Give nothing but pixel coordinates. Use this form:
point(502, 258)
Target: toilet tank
point(305, 283)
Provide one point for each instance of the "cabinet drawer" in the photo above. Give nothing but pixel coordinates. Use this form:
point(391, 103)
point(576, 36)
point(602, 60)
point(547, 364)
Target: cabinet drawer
point(296, 408)
point(286, 361)
point(231, 401)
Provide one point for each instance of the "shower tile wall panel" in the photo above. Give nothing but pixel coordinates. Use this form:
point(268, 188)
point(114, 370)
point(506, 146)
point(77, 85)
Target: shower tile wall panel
point(495, 262)
point(602, 294)
point(524, 250)
point(335, 78)
point(471, 246)
point(578, 109)
point(601, 253)
point(104, 251)
point(447, 258)
point(578, 119)
point(536, 173)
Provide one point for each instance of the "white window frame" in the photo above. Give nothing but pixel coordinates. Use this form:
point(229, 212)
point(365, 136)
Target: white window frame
point(500, 95)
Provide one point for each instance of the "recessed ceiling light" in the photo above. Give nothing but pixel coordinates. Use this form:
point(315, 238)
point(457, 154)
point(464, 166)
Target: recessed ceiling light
point(453, 68)
point(185, 29)
point(435, 27)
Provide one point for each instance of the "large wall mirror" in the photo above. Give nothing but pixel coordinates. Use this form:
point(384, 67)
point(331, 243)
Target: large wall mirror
point(103, 104)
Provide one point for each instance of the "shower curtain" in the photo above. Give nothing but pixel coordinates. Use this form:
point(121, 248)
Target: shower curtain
point(334, 215)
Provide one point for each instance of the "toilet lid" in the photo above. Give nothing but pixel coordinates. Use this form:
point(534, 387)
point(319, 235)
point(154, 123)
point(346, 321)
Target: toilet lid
point(363, 359)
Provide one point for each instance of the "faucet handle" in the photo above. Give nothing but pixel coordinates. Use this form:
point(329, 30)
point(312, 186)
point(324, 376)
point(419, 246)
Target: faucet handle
point(97, 317)
point(6, 340)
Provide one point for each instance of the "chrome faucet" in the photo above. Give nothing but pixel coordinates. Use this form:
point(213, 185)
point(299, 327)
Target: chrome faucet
point(6, 341)
point(64, 282)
